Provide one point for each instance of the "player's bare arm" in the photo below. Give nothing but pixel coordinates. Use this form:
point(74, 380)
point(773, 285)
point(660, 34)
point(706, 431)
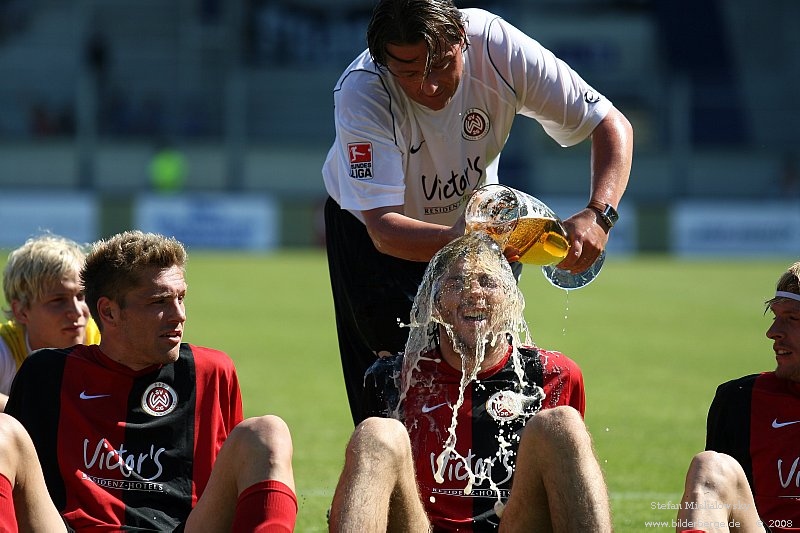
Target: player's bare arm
point(612, 154)
point(400, 236)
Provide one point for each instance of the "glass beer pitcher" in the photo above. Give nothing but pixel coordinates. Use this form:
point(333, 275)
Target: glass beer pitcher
point(518, 220)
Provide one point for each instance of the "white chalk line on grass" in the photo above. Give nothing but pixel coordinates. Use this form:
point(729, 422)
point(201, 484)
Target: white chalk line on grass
point(646, 496)
point(615, 495)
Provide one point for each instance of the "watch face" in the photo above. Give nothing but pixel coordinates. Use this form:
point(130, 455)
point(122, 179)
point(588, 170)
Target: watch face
point(611, 214)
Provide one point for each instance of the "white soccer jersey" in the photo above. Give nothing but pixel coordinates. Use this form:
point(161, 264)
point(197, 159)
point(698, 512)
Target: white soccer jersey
point(390, 150)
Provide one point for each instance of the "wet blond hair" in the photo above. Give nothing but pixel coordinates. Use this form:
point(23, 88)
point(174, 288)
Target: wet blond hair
point(39, 262)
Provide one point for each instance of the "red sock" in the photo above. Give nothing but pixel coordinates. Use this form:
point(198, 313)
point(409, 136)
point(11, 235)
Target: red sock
point(8, 520)
point(266, 507)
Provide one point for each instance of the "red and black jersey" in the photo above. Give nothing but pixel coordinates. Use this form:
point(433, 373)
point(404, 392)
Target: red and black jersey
point(756, 420)
point(123, 449)
point(495, 409)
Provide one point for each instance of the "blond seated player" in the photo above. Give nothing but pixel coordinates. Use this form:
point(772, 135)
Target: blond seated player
point(47, 308)
point(143, 432)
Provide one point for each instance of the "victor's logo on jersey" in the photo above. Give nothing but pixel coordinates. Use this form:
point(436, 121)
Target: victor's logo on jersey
point(143, 466)
point(476, 124)
point(504, 406)
point(360, 155)
point(455, 468)
point(457, 188)
point(159, 399)
point(789, 474)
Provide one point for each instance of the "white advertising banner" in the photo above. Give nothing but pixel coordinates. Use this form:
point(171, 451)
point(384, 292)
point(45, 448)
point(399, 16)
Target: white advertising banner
point(735, 228)
point(212, 221)
point(27, 214)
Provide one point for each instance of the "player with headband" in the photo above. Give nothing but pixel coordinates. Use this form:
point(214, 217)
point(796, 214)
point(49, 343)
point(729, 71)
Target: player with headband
point(747, 478)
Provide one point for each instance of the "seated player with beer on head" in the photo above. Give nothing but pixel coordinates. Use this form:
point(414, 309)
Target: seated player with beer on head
point(472, 428)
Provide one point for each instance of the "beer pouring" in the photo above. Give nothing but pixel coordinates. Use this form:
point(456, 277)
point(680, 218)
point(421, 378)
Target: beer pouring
point(519, 221)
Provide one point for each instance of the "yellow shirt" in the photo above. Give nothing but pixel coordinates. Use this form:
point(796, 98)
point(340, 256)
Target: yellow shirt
point(14, 336)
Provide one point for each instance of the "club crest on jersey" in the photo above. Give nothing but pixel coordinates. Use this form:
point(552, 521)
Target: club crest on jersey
point(591, 97)
point(360, 155)
point(504, 406)
point(159, 399)
point(476, 124)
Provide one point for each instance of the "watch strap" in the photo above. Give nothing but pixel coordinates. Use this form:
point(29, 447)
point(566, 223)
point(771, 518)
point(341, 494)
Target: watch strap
point(605, 212)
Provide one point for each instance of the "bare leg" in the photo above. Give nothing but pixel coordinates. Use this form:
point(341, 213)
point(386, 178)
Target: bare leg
point(716, 480)
point(558, 484)
point(377, 490)
point(257, 449)
point(34, 509)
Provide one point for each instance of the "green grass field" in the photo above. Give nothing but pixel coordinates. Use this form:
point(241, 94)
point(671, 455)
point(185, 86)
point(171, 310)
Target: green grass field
point(654, 337)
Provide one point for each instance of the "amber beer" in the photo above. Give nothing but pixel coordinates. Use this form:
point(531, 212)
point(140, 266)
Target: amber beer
point(540, 241)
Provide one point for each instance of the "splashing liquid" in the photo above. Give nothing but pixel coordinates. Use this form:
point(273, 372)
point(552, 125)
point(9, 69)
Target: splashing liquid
point(482, 311)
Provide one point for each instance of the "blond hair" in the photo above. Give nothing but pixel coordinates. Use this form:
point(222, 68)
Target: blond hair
point(36, 264)
point(116, 265)
point(788, 282)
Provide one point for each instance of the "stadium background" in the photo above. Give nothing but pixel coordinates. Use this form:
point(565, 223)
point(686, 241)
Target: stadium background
point(90, 90)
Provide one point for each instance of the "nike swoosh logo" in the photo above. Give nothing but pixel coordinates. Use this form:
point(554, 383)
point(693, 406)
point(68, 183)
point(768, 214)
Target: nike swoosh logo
point(414, 149)
point(777, 424)
point(85, 396)
point(426, 409)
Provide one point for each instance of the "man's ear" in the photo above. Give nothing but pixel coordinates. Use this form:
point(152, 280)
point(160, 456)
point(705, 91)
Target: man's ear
point(19, 311)
point(107, 309)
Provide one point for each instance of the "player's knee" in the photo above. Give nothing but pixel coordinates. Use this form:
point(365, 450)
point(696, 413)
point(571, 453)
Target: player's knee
point(15, 444)
point(560, 427)
point(715, 472)
point(384, 438)
point(12, 434)
point(263, 434)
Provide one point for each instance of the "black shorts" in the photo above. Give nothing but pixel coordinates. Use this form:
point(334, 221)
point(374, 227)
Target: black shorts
point(372, 296)
point(377, 289)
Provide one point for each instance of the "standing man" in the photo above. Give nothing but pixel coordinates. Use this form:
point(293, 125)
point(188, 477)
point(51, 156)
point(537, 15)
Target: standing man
point(421, 117)
point(46, 304)
point(748, 477)
point(471, 429)
point(143, 432)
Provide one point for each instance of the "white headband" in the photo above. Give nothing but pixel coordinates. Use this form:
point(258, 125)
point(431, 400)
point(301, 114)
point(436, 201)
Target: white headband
point(784, 294)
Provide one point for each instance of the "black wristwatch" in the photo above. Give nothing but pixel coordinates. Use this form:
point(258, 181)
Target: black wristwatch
point(606, 212)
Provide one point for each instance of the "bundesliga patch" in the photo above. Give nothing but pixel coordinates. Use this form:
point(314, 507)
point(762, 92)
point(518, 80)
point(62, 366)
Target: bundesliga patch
point(360, 160)
point(475, 125)
point(159, 399)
